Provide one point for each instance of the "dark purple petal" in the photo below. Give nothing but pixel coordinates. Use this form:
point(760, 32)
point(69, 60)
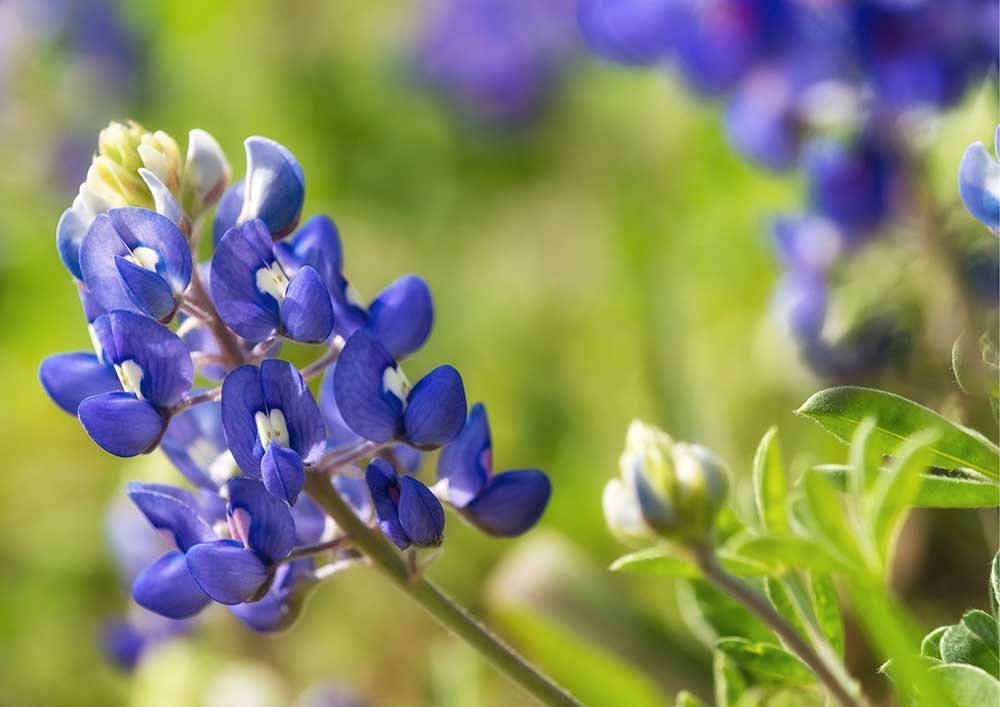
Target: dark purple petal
point(121, 424)
point(242, 254)
point(338, 434)
point(227, 212)
point(436, 408)
point(420, 513)
point(275, 186)
point(359, 387)
point(167, 371)
point(282, 472)
point(149, 293)
point(282, 605)
point(123, 643)
point(406, 458)
point(196, 444)
point(511, 504)
point(146, 228)
point(467, 462)
point(167, 588)
point(385, 490)
point(69, 378)
point(242, 399)
point(310, 521)
point(226, 571)
point(271, 531)
point(285, 389)
point(401, 316)
point(173, 511)
point(306, 310)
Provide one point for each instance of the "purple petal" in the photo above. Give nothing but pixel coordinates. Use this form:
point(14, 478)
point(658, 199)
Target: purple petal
point(511, 504)
point(143, 227)
point(70, 230)
point(285, 389)
point(636, 32)
point(69, 378)
point(317, 244)
point(196, 443)
point(467, 462)
point(282, 472)
point(385, 491)
point(272, 531)
point(401, 316)
point(227, 212)
point(979, 184)
point(359, 387)
point(282, 605)
point(436, 408)
point(310, 521)
point(226, 571)
point(306, 310)
point(338, 434)
point(242, 399)
point(121, 424)
point(149, 293)
point(167, 588)
point(241, 254)
point(172, 510)
point(275, 186)
point(356, 493)
point(167, 371)
point(420, 513)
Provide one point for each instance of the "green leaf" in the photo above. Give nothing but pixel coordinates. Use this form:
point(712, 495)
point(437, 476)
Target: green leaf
point(766, 662)
point(770, 484)
point(783, 604)
point(826, 606)
point(686, 699)
point(865, 457)
point(778, 555)
point(665, 561)
point(830, 517)
point(894, 493)
point(729, 681)
point(936, 491)
point(930, 647)
point(968, 686)
point(711, 614)
point(973, 642)
point(841, 410)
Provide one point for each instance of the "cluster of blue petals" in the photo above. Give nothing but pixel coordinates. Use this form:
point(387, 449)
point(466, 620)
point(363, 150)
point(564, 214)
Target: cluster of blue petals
point(827, 88)
point(242, 532)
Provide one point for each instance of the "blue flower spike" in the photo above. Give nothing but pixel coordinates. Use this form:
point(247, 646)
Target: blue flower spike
point(273, 425)
point(377, 402)
point(138, 260)
point(409, 513)
point(507, 504)
point(154, 370)
point(979, 183)
point(257, 299)
point(263, 534)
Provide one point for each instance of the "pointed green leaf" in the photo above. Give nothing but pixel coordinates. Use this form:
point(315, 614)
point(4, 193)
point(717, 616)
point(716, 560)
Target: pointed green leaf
point(830, 517)
point(826, 606)
point(930, 647)
point(896, 489)
point(711, 614)
point(766, 662)
point(973, 642)
point(770, 484)
point(657, 561)
point(841, 410)
point(968, 686)
point(865, 457)
point(729, 681)
point(783, 604)
point(777, 555)
point(936, 491)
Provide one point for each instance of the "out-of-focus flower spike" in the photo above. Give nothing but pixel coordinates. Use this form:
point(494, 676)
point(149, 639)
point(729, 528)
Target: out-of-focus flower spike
point(274, 189)
point(206, 173)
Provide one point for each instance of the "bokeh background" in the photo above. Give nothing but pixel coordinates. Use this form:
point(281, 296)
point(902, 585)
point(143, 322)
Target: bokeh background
point(603, 259)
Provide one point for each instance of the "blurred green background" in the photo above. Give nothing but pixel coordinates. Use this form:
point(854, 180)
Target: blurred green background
point(606, 262)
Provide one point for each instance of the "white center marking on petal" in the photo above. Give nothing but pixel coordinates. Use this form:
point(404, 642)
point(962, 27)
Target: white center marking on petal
point(272, 281)
point(279, 428)
point(130, 376)
point(95, 342)
point(144, 257)
point(271, 428)
point(394, 381)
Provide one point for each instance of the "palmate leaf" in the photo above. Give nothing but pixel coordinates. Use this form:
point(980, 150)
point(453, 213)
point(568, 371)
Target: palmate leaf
point(967, 685)
point(936, 491)
point(766, 662)
point(841, 410)
point(770, 484)
point(973, 642)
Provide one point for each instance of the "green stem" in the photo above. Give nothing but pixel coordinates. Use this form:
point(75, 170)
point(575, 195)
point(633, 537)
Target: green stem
point(761, 607)
point(442, 607)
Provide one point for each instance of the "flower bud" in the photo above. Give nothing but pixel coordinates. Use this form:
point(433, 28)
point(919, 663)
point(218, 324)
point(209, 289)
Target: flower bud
point(665, 489)
point(206, 173)
point(124, 149)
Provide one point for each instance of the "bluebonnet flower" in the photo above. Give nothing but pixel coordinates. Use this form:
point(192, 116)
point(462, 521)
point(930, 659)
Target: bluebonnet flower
point(377, 402)
point(408, 512)
point(273, 425)
point(496, 60)
point(154, 370)
point(638, 32)
point(853, 184)
point(195, 443)
point(504, 504)
point(257, 299)
point(979, 183)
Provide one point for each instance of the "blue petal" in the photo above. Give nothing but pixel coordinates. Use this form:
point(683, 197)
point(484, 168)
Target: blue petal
point(385, 491)
point(979, 184)
point(282, 472)
point(285, 389)
point(849, 184)
point(166, 204)
point(91, 308)
point(401, 316)
point(807, 243)
point(172, 510)
point(511, 504)
point(761, 124)
point(310, 521)
point(282, 605)
point(338, 434)
point(226, 571)
point(69, 378)
point(245, 309)
point(195, 441)
point(467, 461)
point(317, 244)
point(227, 212)
point(98, 249)
point(306, 310)
point(436, 408)
point(406, 458)
point(167, 588)
point(636, 32)
point(355, 492)
point(368, 408)
point(420, 513)
point(272, 531)
point(142, 227)
point(121, 424)
point(149, 293)
point(802, 301)
point(275, 186)
point(242, 399)
point(167, 371)
point(70, 231)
